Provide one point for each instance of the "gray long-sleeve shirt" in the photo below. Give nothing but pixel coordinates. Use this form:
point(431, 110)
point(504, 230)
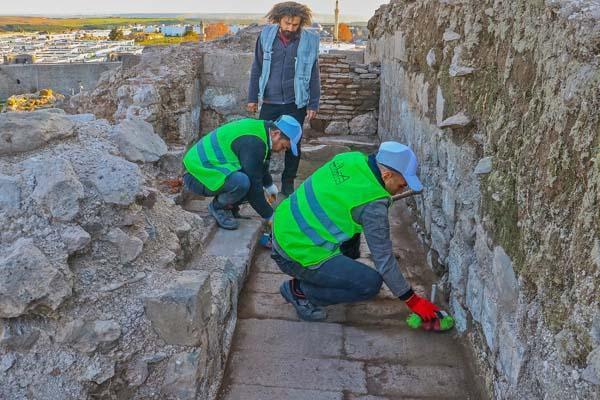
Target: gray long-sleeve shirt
point(376, 226)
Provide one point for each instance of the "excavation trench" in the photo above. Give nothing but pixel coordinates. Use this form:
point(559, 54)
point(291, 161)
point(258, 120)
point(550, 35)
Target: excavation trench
point(363, 350)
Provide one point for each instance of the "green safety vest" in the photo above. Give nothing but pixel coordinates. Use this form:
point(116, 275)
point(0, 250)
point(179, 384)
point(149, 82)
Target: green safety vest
point(212, 159)
point(311, 224)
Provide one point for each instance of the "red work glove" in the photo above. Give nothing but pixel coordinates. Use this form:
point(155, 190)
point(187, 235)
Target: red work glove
point(422, 307)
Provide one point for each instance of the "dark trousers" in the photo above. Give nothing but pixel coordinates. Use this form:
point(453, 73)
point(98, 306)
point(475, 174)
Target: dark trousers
point(271, 112)
point(232, 193)
point(340, 279)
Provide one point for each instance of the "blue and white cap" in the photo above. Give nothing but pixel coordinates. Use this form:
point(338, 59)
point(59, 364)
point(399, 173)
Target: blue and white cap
point(401, 159)
point(290, 128)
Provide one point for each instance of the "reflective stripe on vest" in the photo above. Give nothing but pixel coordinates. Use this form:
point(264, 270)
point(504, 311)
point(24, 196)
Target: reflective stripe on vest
point(316, 219)
point(212, 159)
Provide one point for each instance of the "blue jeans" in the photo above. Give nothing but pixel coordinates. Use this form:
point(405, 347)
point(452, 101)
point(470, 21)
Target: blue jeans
point(232, 193)
point(272, 112)
point(338, 280)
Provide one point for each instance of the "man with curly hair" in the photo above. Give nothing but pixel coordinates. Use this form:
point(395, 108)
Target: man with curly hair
point(285, 74)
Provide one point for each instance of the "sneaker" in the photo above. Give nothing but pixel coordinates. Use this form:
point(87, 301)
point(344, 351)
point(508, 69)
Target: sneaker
point(224, 217)
point(235, 211)
point(304, 308)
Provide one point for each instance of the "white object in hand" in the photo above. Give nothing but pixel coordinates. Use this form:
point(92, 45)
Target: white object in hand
point(272, 190)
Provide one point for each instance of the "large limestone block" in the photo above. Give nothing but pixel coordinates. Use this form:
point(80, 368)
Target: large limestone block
point(89, 336)
point(337, 128)
point(117, 180)
point(182, 376)
point(21, 132)
point(180, 313)
point(57, 187)
point(29, 281)
point(137, 141)
point(365, 124)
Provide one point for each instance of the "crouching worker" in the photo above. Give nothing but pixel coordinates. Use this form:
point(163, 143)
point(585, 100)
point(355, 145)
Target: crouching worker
point(316, 232)
point(231, 164)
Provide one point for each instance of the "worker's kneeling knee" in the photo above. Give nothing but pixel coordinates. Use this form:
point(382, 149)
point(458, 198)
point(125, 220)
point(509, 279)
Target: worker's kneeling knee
point(372, 285)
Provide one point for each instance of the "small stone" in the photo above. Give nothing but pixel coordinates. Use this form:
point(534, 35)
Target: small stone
point(172, 162)
point(6, 362)
point(28, 280)
point(456, 68)
point(147, 197)
point(137, 141)
point(81, 118)
point(99, 371)
point(459, 120)
point(361, 71)
point(130, 247)
point(89, 336)
point(137, 373)
point(592, 372)
point(10, 194)
point(17, 336)
point(450, 36)
point(484, 166)
point(431, 61)
point(368, 76)
point(75, 238)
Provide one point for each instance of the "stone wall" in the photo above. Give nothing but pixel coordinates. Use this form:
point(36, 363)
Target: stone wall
point(62, 78)
point(102, 294)
point(349, 96)
point(500, 101)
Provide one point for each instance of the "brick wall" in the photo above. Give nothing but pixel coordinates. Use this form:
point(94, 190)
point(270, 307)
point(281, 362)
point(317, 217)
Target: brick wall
point(348, 90)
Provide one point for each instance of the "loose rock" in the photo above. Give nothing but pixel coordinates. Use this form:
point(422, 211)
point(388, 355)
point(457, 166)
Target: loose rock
point(28, 281)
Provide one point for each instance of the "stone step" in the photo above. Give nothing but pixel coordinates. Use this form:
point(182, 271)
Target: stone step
point(401, 345)
point(297, 372)
point(273, 306)
point(256, 392)
point(290, 337)
point(399, 381)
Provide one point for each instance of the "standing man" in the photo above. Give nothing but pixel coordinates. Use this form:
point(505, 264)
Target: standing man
point(316, 233)
point(285, 74)
point(231, 164)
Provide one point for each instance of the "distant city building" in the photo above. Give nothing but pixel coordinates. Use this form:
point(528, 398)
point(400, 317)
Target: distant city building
point(19, 59)
point(173, 30)
point(36, 48)
point(151, 29)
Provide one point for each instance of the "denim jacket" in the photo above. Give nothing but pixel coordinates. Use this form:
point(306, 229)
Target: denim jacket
point(308, 53)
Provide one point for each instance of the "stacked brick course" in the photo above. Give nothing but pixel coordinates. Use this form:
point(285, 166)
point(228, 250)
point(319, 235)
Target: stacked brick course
point(347, 90)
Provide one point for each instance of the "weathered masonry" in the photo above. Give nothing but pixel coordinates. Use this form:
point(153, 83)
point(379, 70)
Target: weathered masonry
point(501, 101)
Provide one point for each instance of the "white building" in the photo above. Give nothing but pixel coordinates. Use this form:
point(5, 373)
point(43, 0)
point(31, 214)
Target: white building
point(173, 30)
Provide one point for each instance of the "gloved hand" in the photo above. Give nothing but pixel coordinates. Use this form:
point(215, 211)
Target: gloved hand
point(272, 192)
point(422, 307)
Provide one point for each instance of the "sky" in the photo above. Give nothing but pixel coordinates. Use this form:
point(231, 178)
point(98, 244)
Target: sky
point(364, 8)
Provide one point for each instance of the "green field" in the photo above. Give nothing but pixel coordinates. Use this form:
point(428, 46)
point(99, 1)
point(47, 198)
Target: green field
point(55, 25)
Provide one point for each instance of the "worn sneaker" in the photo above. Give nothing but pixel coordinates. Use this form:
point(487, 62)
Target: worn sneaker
point(235, 211)
point(224, 217)
point(304, 308)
